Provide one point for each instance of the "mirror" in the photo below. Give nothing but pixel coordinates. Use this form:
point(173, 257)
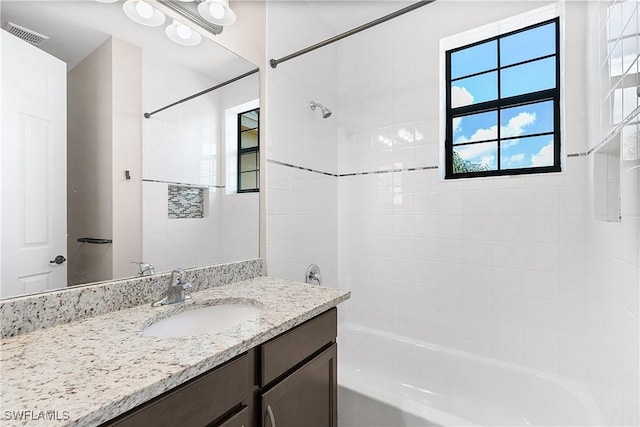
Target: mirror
point(90, 187)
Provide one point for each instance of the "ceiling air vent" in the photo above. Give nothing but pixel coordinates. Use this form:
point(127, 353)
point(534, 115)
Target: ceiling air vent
point(25, 34)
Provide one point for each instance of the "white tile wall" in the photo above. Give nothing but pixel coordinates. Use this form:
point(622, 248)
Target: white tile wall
point(302, 221)
point(511, 267)
point(612, 252)
point(486, 258)
point(185, 144)
point(301, 205)
point(180, 144)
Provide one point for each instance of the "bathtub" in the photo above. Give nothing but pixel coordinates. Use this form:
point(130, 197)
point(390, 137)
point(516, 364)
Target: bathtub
point(389, 381)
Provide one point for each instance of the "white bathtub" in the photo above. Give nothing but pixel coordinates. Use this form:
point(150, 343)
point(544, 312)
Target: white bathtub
point(390, 381)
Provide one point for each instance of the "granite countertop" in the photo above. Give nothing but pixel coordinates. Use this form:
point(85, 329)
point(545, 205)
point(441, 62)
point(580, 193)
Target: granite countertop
point(89, 371)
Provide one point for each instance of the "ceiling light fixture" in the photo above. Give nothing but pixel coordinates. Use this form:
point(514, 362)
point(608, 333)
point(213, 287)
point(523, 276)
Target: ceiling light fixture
point(182, 34)
point(217, 12)
point(143, 13)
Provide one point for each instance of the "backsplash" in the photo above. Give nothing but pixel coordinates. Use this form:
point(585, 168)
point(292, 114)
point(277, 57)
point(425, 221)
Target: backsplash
point(28, 313)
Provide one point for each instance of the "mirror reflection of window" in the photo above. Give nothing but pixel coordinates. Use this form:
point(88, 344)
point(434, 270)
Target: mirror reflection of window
point(249, 151)
point(97, 73)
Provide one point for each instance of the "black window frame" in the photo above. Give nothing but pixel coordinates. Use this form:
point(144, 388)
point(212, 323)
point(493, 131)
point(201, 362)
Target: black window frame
point(500, 104)
point(242, 151)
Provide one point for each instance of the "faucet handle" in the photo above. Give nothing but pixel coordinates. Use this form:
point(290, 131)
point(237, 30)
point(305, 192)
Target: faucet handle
point(146, 268)
point(178, 276)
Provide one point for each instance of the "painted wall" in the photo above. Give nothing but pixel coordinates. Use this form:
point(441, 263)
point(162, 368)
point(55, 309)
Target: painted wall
point(127, 156)
point(246, 37)
point(104, 134)
point(89, 172)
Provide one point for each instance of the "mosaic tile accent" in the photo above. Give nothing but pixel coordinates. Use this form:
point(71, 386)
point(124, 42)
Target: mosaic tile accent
point(185, 202)
point(28, 313)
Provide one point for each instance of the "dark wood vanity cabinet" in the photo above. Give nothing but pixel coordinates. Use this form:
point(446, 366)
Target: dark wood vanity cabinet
point(288, 381)
point(214, 398)
point(298, 376)
point(240, 419)
point(307, 397)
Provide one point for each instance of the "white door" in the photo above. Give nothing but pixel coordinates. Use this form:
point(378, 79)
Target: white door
point(34, 163)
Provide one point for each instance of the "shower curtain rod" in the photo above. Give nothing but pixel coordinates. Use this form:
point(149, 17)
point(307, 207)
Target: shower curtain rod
point(274, 62)
point(235, 79)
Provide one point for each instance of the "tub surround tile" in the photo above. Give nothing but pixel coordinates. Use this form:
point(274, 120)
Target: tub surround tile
point(28, 313)
point(100, 367)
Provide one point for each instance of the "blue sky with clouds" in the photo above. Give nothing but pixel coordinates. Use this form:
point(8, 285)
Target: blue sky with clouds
point(517, 122)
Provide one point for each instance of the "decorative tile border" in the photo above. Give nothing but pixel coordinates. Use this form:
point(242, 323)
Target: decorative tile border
point(289, 165)
point(24, 314)
point(158, 181)
point(377, 172)
point(383, 171)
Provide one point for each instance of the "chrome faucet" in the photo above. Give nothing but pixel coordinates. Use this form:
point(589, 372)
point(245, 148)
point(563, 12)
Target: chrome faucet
point(146, 269)
point(179, 289)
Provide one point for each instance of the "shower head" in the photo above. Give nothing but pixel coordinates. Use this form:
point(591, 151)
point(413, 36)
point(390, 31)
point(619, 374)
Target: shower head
point(325, 111)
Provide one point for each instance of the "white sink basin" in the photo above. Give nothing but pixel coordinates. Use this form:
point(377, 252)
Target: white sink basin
point(204, 320)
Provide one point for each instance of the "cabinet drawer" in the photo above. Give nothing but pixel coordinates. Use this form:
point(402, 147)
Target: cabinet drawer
point(196, 403)
point(241, 419)
point(284, 352)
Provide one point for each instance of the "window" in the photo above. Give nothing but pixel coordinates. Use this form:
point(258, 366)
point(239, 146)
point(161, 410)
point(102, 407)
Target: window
point(249, 151)
point(503, 104)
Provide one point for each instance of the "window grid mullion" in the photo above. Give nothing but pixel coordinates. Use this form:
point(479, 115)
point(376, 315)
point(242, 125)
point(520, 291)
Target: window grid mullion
point(449, 124)
point(493, 70)
point(556, 103)
point(499, 104)
point(484, 141)
point(244, 151)
point(513, 101)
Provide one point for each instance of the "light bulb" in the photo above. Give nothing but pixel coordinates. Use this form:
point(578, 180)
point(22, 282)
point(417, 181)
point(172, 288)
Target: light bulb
point(183, 31)
point(144, 9)
point(216, 10)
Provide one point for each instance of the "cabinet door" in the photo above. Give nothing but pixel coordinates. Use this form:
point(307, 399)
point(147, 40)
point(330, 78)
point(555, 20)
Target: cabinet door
point(307, 397)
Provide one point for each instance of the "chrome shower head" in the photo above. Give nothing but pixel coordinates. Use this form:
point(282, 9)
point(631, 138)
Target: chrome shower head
point(325, 111)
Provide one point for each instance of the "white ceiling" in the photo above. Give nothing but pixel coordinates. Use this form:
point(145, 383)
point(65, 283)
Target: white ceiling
point(76, 28)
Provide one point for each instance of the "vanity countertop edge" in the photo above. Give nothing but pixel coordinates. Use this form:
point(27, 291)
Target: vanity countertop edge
point(89, 371)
